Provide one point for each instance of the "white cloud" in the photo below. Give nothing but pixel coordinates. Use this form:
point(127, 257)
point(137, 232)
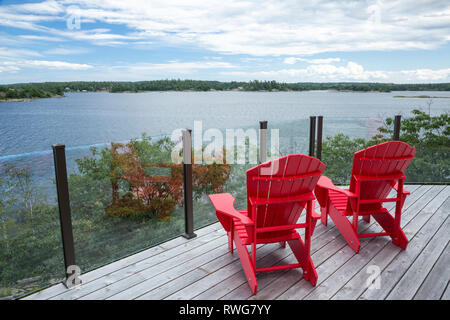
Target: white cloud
point(14, 53)
point(40, 38)
point(266, 31)
point(350, 72)
point(17, 65)
point(252, 27)
point(171, 68)
point(8, 67)
point(67, 51)
point(293, 60)
point(427, 74)
point(55, 65)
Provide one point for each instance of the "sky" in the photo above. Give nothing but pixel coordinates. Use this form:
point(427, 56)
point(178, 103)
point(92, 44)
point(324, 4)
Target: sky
point(400, 41)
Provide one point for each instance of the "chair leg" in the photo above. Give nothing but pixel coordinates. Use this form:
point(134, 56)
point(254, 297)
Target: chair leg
point(247, 265)
point(345, 228)
point(230, 241)
point(283, 244)
point(367, 218)
point(313, 225)
point(387, 222)
point(300, 252)
point(324, 214)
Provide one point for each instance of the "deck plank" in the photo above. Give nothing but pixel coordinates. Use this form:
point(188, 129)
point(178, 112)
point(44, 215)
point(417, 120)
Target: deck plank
point(360, 262)
point(395, 270)
point(155, 261)
point(446, 295)
point(202, 268)
point(225, 283)
point(243, 291)
point(151, 269)
point(122, 263)
point(408, 285)
point(319, 255)
point(279, 256)
point(436, 281)
point(213, 278)
point(357, 284)
point(301, 289)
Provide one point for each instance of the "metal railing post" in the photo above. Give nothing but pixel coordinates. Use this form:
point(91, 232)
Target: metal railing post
point(397, 124)
point(262, 141)
point(65, 219)
point(312, 134)
point(319, 137)
point(188, 190)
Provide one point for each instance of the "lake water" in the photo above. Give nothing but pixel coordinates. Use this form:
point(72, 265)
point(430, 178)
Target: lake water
point(80, 120)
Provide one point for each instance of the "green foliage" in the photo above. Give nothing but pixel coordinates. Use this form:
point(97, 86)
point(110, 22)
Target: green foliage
point(9, 93)
point(337, 154)
point(48, 89)
point(30, 244)
point(429, 135)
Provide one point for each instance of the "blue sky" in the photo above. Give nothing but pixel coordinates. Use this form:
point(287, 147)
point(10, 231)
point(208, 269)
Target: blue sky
point(402, 41)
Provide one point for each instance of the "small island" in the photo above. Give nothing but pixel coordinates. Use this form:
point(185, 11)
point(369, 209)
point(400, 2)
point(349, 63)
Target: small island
point(12, 94)
point(29, 91)
point(423, 97)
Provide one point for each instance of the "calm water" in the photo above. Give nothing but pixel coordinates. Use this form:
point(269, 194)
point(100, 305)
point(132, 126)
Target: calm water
point(80, 120)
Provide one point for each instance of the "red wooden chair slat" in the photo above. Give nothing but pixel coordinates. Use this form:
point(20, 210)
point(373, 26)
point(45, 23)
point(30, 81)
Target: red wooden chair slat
point(277, 193)
point(376, 171)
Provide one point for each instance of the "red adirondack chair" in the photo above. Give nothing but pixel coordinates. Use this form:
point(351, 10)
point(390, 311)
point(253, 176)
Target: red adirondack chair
point(277, 193)
point(376, 171)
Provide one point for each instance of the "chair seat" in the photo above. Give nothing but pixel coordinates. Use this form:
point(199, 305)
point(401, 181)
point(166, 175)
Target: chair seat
point(267, 237)
point(340, 202)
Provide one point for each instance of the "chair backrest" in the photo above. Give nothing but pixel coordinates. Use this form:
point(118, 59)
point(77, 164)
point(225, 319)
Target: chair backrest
point(288, 176)
point(388, 159)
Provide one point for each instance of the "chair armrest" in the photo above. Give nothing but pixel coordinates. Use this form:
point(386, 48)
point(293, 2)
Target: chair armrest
point(326, 183)
point(224, 204)
point(405, 192)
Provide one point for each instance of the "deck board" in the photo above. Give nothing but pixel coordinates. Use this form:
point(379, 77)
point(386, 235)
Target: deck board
point(437, 280)
point(202, 268)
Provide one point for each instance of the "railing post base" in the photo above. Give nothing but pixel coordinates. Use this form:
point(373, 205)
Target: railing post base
point(189, 235)
point(64, 282)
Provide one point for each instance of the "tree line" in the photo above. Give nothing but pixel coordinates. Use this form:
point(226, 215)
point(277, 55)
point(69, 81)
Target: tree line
point(49, 89)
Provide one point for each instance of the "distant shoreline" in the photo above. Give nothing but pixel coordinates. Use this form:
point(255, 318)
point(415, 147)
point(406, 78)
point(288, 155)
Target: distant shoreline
point(422, 97)
point(29, 99)
point(30, 91)
point(232, 90)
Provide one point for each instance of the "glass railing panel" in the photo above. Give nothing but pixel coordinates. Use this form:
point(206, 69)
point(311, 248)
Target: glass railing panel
point(431, 164)
point(342, 137)
point(222, 167)
point(293, 136)
point(31, 255)
point(125, 197)
point(428, 133)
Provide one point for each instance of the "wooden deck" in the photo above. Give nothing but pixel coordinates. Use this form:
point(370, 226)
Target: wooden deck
point(202, 268)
